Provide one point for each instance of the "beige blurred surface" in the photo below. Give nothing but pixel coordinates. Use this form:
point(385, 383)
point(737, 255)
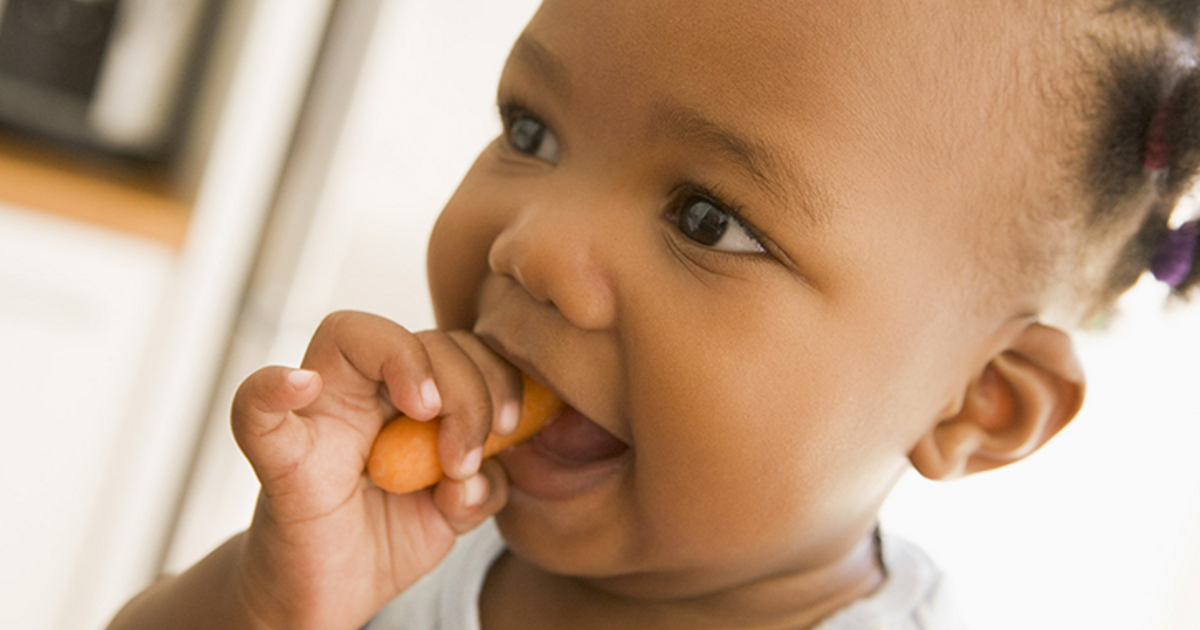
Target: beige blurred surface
point(138, 201)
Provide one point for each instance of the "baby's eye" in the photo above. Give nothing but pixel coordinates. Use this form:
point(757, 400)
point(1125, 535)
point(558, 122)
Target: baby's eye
point(530, 136)
point(705, 222)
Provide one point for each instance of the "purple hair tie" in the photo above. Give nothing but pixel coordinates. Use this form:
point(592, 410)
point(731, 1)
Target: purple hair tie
point(1173, 261)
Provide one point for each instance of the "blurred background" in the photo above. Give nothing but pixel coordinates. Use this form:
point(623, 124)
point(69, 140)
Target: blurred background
point(188, 186)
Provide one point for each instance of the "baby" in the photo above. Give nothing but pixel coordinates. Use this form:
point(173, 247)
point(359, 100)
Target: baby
point(772, 253)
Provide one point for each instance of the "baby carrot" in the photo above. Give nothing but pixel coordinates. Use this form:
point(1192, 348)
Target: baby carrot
point(404, 456)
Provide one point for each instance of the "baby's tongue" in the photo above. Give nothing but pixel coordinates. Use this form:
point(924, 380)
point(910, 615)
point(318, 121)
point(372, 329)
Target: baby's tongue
point(574, 440)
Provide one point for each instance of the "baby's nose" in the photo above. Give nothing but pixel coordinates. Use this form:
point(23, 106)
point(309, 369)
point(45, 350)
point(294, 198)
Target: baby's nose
point(558, 256)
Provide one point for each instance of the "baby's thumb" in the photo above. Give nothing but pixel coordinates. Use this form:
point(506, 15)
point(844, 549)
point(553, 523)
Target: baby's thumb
point(266, 430)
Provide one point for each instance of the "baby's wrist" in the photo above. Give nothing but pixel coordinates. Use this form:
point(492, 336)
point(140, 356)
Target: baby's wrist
point(240, 606)
point(253, 596)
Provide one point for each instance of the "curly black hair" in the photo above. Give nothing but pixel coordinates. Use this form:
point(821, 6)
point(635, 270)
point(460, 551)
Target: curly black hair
point(1145, 91)
point(1179, 15)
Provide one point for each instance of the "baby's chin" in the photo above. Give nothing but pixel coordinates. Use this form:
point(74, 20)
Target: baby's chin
point(589, 535)
point(617, 561)
point(585, 554)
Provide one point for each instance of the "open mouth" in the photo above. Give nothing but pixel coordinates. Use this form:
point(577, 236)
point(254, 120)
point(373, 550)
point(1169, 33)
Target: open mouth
point(571, 456)
point(572, 439)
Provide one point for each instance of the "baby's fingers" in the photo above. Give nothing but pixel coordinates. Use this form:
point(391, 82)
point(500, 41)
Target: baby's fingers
point(355, 352)
point(503, 382)
point(467, 503)
point(478, 388)
point(273, 438)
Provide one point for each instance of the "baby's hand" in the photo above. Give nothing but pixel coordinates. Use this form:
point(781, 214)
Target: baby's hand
point(328, 548)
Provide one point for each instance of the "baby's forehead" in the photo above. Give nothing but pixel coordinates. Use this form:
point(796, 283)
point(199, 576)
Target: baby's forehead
point(970, 59)
point(955, 78)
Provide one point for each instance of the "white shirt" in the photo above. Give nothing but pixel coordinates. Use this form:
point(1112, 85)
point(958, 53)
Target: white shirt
point(913, 597)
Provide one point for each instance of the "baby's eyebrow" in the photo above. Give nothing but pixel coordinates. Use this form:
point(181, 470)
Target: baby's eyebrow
point(768, 167)
point(764, 165)
point(538, 59)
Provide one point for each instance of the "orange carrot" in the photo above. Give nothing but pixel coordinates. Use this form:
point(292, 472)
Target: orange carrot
point(404, 456)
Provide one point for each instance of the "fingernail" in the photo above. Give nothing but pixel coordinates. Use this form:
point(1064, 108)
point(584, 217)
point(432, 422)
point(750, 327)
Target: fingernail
point(301, 379)
point(470, 464)
point(475, 491)
point(430, 398)
point(510, 415)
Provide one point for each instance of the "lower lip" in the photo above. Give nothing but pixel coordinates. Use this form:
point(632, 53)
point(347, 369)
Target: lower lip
point(537, 473)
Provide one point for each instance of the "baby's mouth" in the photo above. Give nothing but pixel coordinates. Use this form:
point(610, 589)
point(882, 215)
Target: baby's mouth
point(571, 457)
point(572, 439)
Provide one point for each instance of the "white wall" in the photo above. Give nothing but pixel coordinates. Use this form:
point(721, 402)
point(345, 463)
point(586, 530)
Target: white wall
point(76, 302)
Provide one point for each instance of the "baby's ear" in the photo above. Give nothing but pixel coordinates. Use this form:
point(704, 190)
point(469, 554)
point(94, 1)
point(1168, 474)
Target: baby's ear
point(1025, 395)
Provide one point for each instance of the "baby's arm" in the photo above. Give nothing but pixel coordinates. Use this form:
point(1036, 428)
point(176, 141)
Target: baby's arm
point(327, 548)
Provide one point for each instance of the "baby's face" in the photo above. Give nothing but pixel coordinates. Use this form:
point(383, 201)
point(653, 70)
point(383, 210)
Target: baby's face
point(743, 238)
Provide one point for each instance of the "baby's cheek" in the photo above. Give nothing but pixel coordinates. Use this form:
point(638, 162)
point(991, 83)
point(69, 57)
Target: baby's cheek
point(458, 250)
point(731, 491)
